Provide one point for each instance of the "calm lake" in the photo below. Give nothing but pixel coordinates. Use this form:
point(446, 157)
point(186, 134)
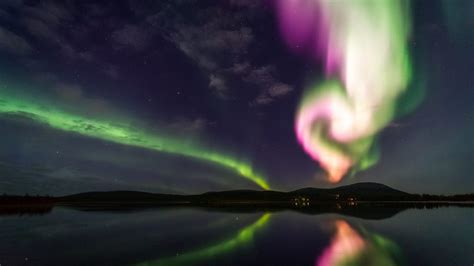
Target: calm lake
point(440, 236)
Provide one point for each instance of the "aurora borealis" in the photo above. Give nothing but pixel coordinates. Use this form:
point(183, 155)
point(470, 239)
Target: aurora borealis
point(236, 132)
point(187, 97)
point(122, 134)
point(337, 121)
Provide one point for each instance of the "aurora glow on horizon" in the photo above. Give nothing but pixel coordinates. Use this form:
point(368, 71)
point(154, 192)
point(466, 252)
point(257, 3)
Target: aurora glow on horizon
point(59, 119)
point(364, 46)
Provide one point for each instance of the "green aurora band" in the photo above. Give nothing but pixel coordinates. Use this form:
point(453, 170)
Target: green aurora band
point(122, 134)
point(244, 236)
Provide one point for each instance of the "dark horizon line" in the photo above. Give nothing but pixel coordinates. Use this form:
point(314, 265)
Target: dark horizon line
point(364, 200)
point(368, 186)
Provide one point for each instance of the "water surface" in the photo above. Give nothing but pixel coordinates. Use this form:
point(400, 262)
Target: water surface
point(442, 236)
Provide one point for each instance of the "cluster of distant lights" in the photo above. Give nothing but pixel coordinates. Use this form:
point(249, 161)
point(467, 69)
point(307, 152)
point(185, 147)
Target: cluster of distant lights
point(301, 202)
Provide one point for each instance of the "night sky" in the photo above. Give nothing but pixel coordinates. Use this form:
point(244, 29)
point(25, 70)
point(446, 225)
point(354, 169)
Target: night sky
point(189, 96)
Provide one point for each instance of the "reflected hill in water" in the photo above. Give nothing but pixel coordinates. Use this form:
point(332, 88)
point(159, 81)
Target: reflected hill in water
point(364, 200)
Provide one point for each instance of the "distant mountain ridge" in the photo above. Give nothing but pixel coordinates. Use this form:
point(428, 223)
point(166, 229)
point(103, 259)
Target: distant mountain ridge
point(355, 192)
point(358, 191)
point(365, 200)
point(368, 187)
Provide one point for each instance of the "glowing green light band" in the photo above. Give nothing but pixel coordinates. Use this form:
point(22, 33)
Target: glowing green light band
point(123, 134)
point(244, 236)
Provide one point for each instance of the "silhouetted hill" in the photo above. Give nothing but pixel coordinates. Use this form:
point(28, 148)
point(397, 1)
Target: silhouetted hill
point(356, 192)
point(359, 191)
point(365, 200)
point(131, 196)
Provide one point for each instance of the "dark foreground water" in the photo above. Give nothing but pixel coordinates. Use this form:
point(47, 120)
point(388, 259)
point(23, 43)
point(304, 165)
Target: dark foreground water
point(443, 236)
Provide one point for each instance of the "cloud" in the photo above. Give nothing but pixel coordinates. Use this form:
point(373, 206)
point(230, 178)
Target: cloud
point(209, 43)
point(12, 43)
point(112, 71)
point(49, 33)
point(219, 41)
point(263, 76)
point(218, 83)
point(41, 30)
point(45, 21)
point(240, 68)
point(234, 41)
point(73, 95)
point(48, 12)
point(214, 38)
point(131, 36)
point(188, 126)
point(272, 89)
point(56, 26)
point(277, 90)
